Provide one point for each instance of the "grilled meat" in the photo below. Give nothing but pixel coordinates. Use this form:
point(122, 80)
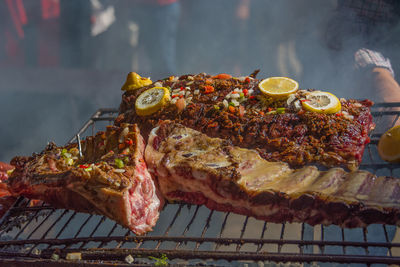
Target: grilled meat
point(110, 178)
point(235, 109)
point(197, 169)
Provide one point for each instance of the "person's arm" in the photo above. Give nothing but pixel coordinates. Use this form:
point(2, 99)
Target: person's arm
point(385, 84)
point(378, 73)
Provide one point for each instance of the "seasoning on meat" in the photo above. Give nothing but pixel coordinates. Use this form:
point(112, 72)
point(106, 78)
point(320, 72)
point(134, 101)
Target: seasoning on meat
point(280, 129)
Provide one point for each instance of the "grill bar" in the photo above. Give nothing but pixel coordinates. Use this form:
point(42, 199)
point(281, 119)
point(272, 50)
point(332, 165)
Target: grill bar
point(120, 254)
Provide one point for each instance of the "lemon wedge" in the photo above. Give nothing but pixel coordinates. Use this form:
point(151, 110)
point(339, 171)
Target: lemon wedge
point(321, 102)
point(278, 87)
point(135, 81)
point(389, 145)
point(152, 100)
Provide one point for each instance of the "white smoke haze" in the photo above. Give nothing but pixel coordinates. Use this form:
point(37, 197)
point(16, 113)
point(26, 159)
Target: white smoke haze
point(281, 38)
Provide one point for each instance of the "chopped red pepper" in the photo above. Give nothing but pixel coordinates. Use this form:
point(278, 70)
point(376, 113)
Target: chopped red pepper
point(129, 142)
point(208, 89)
point(232, 109)
point(223, 76)
point(174, 96)
point(182, 88)
point(305, 100)
point(181, 96)
point(261, 113)
point(247, 80)
point(209, 81)
point(100, 144)
point(245, 92)
point(241, 111)
point(252, 97)
point(339, 114)
point(213, 124)
point(269, 109)
point(83, 166)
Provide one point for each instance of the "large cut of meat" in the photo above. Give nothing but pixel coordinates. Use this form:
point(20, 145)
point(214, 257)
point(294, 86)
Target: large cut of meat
point(110, 178)
point(197, 169)
point(281, 130)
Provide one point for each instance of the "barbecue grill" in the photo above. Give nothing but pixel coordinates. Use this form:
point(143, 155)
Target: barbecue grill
point(32, 234)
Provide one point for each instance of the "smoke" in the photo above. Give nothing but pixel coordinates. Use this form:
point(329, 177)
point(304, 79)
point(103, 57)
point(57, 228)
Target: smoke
point(72, 73)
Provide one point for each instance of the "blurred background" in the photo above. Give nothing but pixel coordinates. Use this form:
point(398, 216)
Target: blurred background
point(61, 60)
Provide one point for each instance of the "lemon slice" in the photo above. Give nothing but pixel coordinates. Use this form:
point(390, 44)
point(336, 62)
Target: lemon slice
point(152, 100)
point(322, 102)
point(278, 87)
point(135, 81)
point(389, 145)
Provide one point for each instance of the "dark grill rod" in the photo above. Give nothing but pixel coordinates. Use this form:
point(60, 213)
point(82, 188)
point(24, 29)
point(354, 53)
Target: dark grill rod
point(124, 238)
point(77, 233)
point(37, 227)
point(343, 247)
point(188, 226)
point(365, 240)
point(120, 254)
point(204, 229)
point(386, 104)
point(103, 218)
point(109, 234)
point(222, 229)
point(238, 246)
point(7, 215)
point(281, 237)
point(262, 236)
point(385, 112)
point(25, 226)
point(110, 118)
point(302, 238)
point(65, 225)
point(394, 120)
point(387, 240)
point(221, 241)
point(48, 230)
point(322, 247)
point(178, 211)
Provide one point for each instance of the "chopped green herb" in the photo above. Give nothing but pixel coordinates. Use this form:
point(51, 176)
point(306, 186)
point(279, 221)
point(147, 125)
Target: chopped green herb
point(162, 261)
point(280, 110)
point(231, 104)
point(120, 164)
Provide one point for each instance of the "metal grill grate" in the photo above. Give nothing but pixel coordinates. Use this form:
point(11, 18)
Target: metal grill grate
point(194, 235)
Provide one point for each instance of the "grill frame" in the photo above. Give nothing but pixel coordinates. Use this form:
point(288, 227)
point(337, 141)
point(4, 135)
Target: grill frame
point(25, 222)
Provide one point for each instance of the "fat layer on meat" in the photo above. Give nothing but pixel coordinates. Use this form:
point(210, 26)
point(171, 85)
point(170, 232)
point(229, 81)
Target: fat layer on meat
point(195, 168)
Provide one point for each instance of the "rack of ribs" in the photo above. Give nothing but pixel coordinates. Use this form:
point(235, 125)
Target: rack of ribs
point(194, 168)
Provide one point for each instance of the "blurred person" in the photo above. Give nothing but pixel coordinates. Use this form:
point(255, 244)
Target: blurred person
point(30, 31)
point(41, 41)
point(211, 36)
point(366, 34)
point(158, 26)
point(75, 33)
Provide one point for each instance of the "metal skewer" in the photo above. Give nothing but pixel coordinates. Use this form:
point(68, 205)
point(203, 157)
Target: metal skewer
point(78, 139)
